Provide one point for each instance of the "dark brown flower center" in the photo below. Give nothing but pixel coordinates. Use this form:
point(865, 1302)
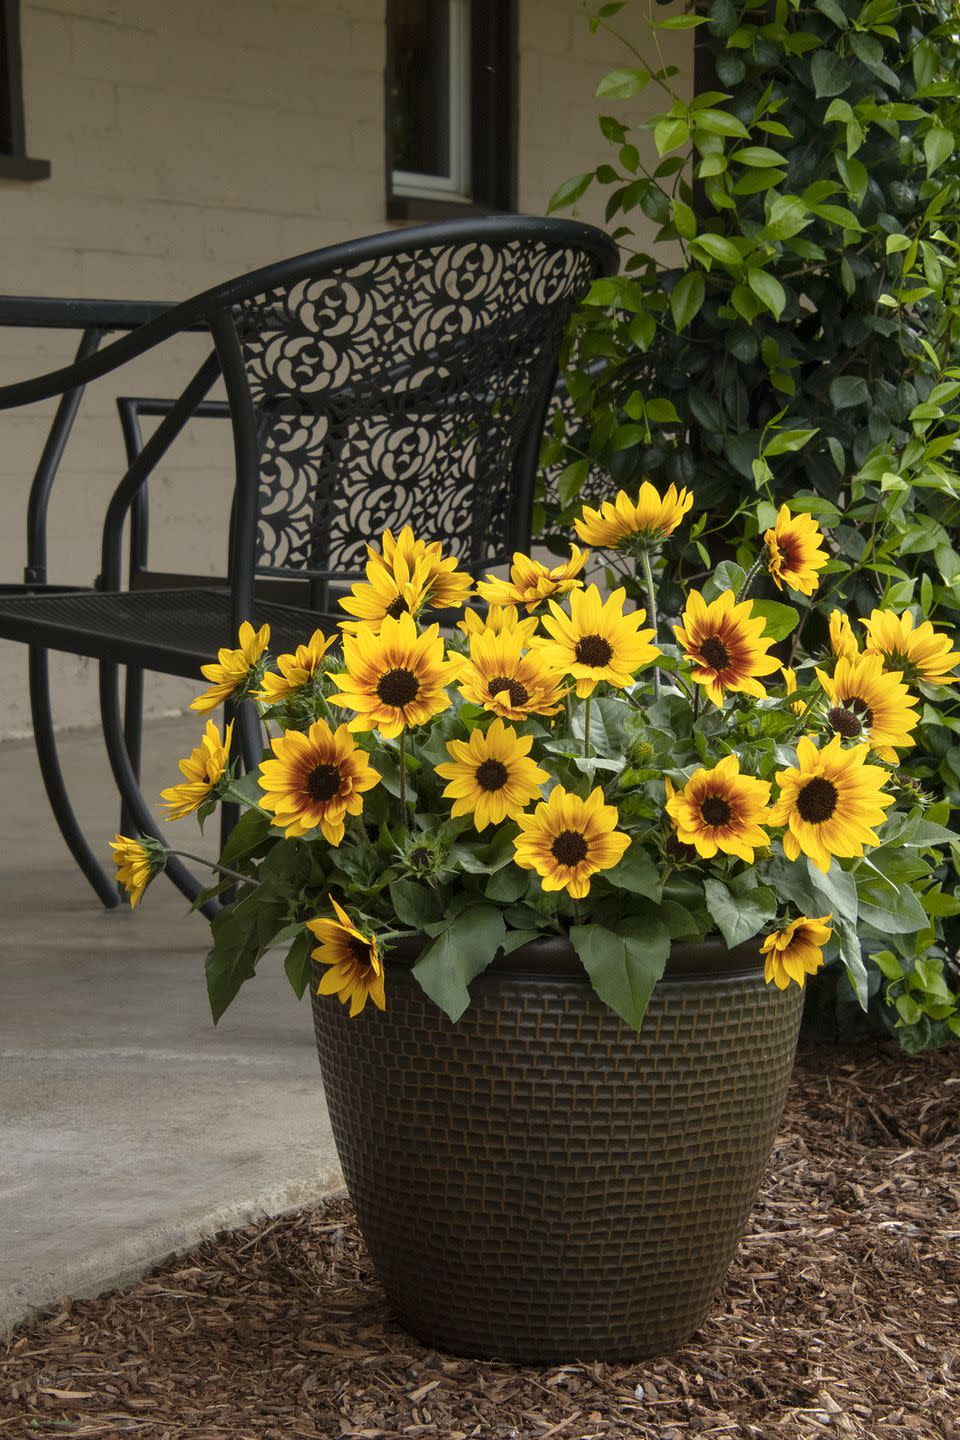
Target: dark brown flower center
point(519, 694)
point(398, 607)
point(715, 653)
point(420, 858)
point(715, 810)
point(594, 651)
point(570, 847)
point(788, 557)
point(398, 687)
point(492, 775)
point(360, 951)
point(845, 721)
point(323, 782)
point(817, 801)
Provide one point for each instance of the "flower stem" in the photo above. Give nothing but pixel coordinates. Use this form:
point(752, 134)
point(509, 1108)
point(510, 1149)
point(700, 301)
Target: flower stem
point(212, 865)
point(749, 578)
point(403, 777)
point(651, 611)
point(697, 693)
point(586, 728)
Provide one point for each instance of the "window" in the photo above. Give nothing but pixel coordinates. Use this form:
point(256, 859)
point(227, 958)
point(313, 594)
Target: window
point(15, 164)
point(451, 107)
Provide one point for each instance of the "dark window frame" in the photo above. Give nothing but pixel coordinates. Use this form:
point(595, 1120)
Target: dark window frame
point(493, 120)
point(15, 163)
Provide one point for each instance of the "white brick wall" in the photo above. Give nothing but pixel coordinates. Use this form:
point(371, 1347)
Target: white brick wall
point(191, 141)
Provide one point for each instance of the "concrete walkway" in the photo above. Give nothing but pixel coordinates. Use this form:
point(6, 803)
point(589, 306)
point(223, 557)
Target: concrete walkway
point(130, 1126)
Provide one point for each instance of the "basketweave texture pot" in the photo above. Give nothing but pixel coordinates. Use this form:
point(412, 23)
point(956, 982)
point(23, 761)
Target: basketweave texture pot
point(540, 1184)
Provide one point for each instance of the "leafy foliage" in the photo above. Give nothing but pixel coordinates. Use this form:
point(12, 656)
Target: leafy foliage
point(791, 333)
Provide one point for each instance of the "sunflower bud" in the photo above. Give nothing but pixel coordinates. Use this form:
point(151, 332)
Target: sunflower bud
point(639, 753)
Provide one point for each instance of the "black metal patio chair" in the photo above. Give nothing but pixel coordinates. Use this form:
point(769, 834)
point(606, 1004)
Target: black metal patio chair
point(401, 378)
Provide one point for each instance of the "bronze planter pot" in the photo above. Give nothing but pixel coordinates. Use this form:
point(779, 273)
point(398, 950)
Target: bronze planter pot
point(539, 1184)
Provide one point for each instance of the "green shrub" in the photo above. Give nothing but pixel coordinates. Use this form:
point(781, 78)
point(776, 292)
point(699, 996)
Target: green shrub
point(790, 335)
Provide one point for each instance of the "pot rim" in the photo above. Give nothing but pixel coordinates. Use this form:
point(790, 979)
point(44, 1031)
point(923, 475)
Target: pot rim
point(555, 956)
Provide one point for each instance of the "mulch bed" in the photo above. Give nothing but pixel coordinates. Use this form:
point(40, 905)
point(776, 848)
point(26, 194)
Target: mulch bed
point(841, 1314)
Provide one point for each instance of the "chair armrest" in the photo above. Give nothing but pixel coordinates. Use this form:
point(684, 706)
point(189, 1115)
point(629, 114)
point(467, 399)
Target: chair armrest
point(30, 312)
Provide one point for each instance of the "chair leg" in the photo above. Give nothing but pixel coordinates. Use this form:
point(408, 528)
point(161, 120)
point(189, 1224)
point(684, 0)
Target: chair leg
point(131, 795)
point(132, 731)
point(251, 736)
point(45, 738)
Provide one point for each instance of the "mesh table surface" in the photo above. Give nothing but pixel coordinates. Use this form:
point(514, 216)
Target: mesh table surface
point(171, 631)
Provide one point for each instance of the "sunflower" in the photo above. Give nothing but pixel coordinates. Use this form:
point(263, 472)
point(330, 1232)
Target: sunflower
point(296, 670)
point(356, 969)
point(389, 592)
point(233, 671)
point(919, 654)
point(447, 586)
point(491, 776)
point(725, 645)
point(204, 768)
point(566, 840)
point(796, 951)
point(315, 779)
point(720, 809)
point(830, 803)
point(624, 523)
point(596, 641)
point(137, 862)
point(501, 678)
point(394, 678)
point(843, 642)
point(497, 618)
point(871, 704)
point(794, 551)
point(531, 583)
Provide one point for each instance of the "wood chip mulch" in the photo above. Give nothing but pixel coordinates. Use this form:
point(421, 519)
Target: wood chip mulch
point(841, 1315)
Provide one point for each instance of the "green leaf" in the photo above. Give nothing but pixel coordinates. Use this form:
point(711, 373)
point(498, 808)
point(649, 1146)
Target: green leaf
point(839, 888)
point(507, 885)
point(759, 157)
point(623, 84)
point(778, 620)
point(570, 480)
point(458, 955)
point(414, 904)
point(767, 288)
point(847, 391)
point(937, 147)
point(740, 917)
point(670, 133)
point(852, 957)
point(662, 412)
point(687, 297)
point(624, 964)
point(720, 122)
point(785, 442)
point(830, 74)
point(637, 873)
point(298, 965)
point(569, 192)
point(719, 248)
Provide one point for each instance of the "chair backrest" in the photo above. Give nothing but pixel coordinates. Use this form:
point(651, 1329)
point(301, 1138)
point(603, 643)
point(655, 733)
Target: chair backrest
point(404, 379)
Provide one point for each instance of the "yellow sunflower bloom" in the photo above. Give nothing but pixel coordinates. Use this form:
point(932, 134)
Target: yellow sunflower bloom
point(796, 951)
point(204, 768)
point(137, 862)
point(720, 809)
point(870, 703)
point(231, 670)
point(394, 678)
point(795, 551)
point(531, 583)
point(831, 803)
point(356, 969)
point(447, 586)
point(315, 779)
point(919, 654)
point(566, 840)
point(596, 641)
point(497, 618)
point(725, 645)
point(843, 642)
point(648, 519)
point(390, 591)
point(504, 680)
point(296, 670)
point(491, 776)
